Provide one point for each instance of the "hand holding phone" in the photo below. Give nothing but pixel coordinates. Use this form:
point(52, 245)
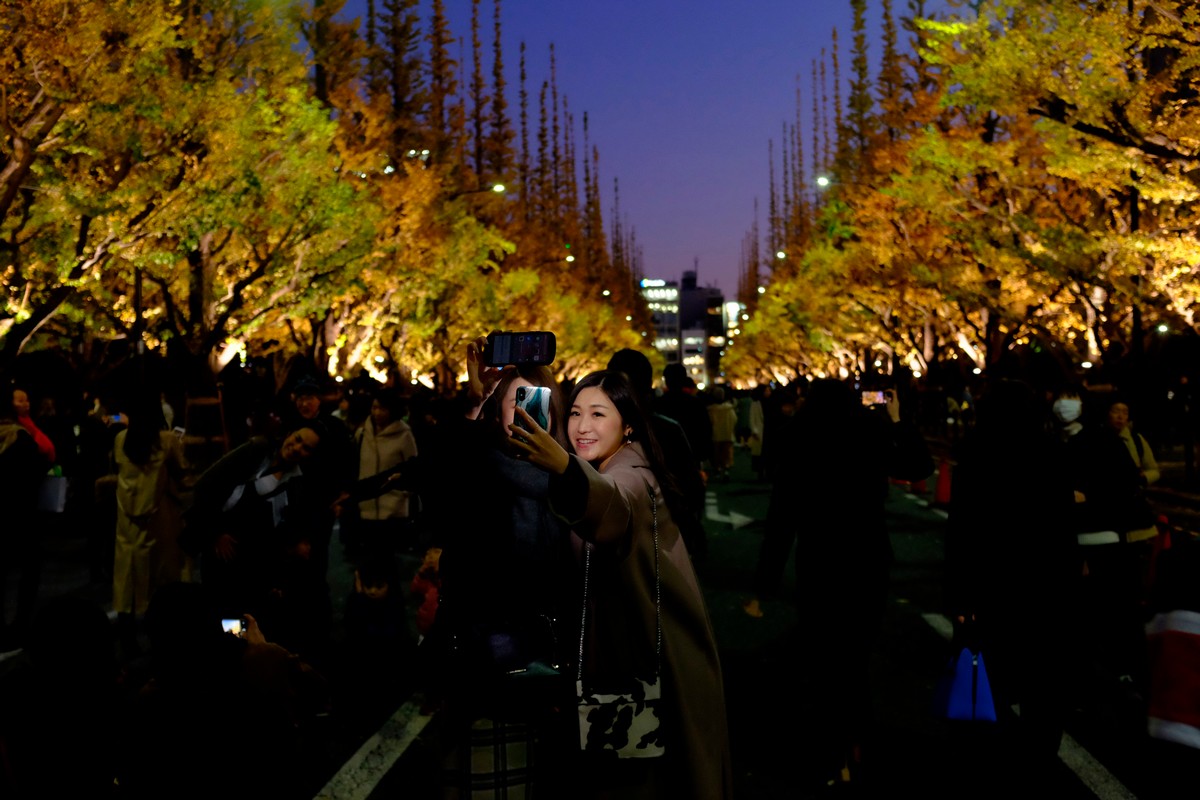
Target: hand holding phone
point(874, 398)
point(536, 348)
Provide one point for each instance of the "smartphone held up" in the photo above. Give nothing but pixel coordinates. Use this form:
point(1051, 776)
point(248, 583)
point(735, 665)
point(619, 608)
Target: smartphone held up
point(237, 626)
point(536, 348)
point(874, 398)
point(535, 400)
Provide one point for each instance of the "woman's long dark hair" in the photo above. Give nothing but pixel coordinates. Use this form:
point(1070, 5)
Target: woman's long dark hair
point(620, 391)
point(538, 376)
point(146, 422)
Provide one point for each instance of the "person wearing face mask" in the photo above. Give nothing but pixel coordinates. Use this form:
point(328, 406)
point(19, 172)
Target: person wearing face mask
point(1108, 507)
point(1105, 478)
point(1067, 409)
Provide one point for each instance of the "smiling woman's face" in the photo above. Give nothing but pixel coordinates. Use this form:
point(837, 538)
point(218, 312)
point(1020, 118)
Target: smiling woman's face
point(595, 429)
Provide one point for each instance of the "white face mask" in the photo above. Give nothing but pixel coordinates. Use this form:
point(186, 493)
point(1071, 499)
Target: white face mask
point(1067, 409)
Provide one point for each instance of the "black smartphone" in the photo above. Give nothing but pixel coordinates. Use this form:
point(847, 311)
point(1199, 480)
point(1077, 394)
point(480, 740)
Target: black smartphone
point(536, 402)
point(524, 347)
point(236, 626)
point(874, 398)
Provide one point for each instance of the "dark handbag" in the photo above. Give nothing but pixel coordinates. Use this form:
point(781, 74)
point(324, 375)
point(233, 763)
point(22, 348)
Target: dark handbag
point(626, 722)
point(964, 692)
point(52, 494)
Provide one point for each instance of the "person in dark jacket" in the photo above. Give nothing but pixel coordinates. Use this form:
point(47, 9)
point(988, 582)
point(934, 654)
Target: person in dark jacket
point(21, 470)
point(255, 521)
point(505, 570)
point(828, 496)
point(687, 409)
point(1012, 562)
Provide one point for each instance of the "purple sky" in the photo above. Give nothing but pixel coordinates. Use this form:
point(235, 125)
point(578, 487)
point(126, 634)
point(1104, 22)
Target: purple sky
point(682, 97)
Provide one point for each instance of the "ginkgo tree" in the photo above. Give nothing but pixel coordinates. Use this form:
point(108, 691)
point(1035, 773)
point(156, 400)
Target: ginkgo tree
point(1048, 199)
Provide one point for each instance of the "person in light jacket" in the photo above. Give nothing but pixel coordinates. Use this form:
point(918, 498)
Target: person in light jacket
point(384, 441)
point(150, 466)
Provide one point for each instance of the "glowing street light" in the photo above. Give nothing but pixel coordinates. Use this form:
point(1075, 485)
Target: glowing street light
point(823, 181)
point(780, 254)
point(1163, 329)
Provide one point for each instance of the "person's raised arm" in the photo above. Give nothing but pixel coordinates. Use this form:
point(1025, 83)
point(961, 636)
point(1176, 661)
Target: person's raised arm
point(482, 379)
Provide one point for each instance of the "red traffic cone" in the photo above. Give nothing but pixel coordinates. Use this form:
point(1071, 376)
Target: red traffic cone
point(941, 494)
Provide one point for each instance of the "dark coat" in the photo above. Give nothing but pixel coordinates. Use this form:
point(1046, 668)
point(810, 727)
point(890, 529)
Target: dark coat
point(829, 494)
point(1010, 548)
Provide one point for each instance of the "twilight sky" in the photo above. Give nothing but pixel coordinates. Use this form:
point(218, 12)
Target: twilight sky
point(682, 97)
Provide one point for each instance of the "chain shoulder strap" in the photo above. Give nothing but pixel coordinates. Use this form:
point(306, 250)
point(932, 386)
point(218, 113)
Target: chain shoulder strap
point(587, 559)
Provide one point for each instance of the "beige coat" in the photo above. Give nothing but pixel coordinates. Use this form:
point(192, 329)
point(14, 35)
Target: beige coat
point(380, 450)
point(149, 519)
point(621, 636)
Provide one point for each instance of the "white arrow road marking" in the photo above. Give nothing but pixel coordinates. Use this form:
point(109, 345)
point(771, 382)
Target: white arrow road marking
point(712, 511)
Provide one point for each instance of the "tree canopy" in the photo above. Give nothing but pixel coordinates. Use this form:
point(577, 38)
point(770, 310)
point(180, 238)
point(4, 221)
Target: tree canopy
point(1023, 177)
point(250, 176)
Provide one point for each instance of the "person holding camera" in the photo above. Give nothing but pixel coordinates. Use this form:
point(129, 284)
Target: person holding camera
point(503, 582)
point(621, 505)
point(222, 714)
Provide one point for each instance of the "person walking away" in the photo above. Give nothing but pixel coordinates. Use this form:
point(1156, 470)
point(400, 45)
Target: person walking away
point(686, 409)
point(1012, 566)
point(146, 555)
point(723, 417)
point(21, 469)
point(833, 464)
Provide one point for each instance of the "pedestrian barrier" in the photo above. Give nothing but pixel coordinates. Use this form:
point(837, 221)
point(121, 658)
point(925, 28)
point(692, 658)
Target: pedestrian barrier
point(941, 492)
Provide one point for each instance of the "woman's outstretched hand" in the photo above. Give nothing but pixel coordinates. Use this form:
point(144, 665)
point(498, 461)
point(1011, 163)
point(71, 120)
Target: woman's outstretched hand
point(538, 448)
point(482, 379)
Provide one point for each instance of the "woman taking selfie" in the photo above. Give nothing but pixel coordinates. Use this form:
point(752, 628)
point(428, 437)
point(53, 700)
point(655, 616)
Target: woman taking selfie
point(619, 501)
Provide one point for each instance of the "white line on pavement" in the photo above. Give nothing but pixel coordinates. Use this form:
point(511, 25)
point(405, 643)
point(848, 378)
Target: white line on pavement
point(363, 771)
point(1094, 775)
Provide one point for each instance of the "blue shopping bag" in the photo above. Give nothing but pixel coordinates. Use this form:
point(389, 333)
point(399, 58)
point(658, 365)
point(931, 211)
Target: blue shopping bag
point(964, 693)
